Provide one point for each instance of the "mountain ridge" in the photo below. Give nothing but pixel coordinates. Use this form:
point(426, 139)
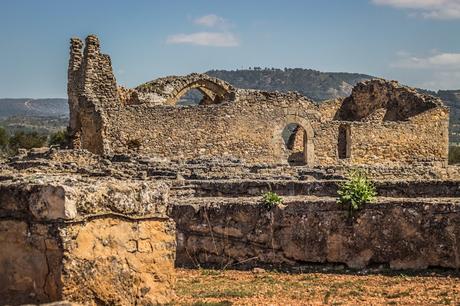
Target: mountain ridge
point(314, 84)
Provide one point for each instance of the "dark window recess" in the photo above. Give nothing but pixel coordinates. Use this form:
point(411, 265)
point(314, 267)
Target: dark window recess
point(343, 145)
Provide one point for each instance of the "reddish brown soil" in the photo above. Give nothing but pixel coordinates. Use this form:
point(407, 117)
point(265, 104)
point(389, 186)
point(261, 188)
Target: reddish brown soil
point(214, 287)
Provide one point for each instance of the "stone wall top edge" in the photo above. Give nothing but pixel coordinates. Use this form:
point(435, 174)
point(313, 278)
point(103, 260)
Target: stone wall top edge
point(47, 201)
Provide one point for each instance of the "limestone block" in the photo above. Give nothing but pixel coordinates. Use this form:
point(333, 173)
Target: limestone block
point(88, 241)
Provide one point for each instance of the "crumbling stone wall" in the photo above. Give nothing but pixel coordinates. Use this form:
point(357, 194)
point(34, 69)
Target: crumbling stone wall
point(250, 129)
point(381, 122)
point(92, 89)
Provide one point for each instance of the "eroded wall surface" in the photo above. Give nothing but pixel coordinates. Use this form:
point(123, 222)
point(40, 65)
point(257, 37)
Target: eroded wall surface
point(242, 233)
point(89, 241)
point(250, 129)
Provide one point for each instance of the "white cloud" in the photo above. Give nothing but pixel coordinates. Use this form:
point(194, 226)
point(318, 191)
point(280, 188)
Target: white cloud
point(215, 39)
point(444, 61)
point(434, 9)
point(436, 70)
point(211, 21)
point(221, 37)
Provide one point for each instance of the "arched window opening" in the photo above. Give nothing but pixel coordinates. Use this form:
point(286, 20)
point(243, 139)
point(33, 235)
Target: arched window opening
point(191, 98)
point(344, 142)
point(295, 140)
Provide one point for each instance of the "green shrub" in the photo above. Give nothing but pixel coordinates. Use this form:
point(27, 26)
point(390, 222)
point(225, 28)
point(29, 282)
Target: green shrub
point(60, 138)
point(356, 191)
point(271, 199)
point(27, 140)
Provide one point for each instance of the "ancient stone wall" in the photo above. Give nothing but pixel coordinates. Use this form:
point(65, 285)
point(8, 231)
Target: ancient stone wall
point(382, 122)
point(421, 140)
point(250, 129)
point(241, 233)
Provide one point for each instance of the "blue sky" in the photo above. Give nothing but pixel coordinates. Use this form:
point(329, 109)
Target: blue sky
point(414, 41)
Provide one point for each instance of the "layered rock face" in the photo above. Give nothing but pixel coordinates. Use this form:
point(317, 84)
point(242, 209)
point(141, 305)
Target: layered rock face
point(85, 240)
point(393, 233)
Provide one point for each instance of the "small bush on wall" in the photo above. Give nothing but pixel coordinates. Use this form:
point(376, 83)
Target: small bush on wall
point(271, 199)
point(356, 191)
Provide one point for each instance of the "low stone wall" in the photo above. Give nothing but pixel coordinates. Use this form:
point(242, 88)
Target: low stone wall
point(241, 233)
point(90, 241)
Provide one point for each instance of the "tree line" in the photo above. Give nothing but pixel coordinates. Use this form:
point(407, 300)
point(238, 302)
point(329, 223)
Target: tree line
point(10, 144)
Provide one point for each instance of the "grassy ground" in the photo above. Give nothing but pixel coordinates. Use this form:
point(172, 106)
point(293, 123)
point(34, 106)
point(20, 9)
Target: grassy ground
point(214, 287)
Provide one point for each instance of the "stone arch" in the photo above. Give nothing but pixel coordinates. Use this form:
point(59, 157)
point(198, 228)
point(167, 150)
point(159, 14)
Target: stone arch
point(309, 147)
point(169, 90)
point(213, 93)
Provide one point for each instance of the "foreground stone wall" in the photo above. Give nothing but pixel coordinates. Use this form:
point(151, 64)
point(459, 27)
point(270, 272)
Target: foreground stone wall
point(381, 122)
point(96, 242)
point(241, 233)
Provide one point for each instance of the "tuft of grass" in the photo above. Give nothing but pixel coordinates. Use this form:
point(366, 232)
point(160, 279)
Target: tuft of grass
point(227, 293)
point(210, 272)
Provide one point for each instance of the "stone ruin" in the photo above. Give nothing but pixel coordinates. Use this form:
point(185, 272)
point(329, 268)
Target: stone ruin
point(149, 186)
point(381, 123)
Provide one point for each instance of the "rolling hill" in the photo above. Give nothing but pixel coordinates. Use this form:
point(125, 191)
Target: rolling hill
point(51, 114)
point(55, 107)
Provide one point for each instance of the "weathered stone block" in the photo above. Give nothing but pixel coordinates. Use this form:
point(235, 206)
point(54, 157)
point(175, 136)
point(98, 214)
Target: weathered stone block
point(402, 234)
point(118, 254)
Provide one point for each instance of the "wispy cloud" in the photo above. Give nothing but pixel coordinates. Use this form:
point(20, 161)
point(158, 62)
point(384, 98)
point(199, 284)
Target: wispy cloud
point(215, 39)
point(220, 37)
point(441, 70)
point(212, 21)
point(434, 9)
point(449, 61)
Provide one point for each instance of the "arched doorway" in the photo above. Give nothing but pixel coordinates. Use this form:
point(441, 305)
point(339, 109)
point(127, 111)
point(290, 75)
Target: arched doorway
point(297, 136)
point(295, 140)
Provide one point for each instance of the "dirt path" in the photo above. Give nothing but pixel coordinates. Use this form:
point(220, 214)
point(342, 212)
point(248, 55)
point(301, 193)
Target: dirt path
point(213, 287)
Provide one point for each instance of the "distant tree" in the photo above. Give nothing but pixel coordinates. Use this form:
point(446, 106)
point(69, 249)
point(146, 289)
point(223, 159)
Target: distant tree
point(4, 139)
point(60, 138)
point(27, 140)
